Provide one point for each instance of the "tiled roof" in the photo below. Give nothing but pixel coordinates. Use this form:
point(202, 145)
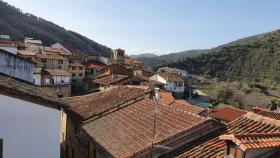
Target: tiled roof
point(26, 52)
point(95, 65)
point(111, 79)
point(91, 105)
point(267, 113)
point(166, 98)
point(227, 114)
point(129, 131)
point(254, 140)
point(185, 106)
point(57, 72)
point(171, 76)
point(76, 64)
point(213, 147)
point(50, 56)
point(55, 50)
point(29, 92)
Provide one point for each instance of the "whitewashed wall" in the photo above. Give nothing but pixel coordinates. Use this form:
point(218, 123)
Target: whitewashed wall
point(20, 68)
point(29, 130)
point(10, 49)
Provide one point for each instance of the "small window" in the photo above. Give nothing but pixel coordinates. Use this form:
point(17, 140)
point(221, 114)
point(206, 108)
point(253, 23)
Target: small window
point(44, 60)
point(73, 68)
point(80, 74)
point(81, 68)
point(73, 74)
point(60, 61)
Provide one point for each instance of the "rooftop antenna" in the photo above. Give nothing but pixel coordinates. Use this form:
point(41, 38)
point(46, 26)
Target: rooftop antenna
point(156, 100)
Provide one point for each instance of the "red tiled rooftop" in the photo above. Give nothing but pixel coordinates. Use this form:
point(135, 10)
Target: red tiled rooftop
point(111, 79)
point(171, 76)
point(166, 98)
point(57, 72)
point(212, 147)
point(227, 114)
point(91, 105)
point(185, 106)
point(129, 131)
point(254, 140)
point(267, 113)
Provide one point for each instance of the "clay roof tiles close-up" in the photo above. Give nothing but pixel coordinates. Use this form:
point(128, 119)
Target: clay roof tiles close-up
point(212, 147)
point(92, 105)
point(267, 113)
point(227, 114)
point(129, 131)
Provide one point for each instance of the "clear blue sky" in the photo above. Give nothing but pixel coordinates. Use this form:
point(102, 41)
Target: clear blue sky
point(159, 26)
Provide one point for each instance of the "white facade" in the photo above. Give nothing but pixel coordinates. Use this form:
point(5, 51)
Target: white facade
point(29, 130)
point(61, 80)
point(9, 49)
point(104, 60)
point(169, 85)
point(17, 67)
point(180, 72)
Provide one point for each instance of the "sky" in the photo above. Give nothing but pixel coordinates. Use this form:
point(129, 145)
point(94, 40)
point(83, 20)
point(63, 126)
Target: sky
point(159, 26)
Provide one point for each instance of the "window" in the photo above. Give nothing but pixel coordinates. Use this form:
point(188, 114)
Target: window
point(1, 148)
point(73, 68)
point(44, 60)
point(73, 74)
point(80, 74)
point(60, 61)
point(81, 68)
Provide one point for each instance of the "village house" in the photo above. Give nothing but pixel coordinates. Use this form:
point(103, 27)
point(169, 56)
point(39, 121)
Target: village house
point(91, 106)
point(172, 81)
point(252, 145)
point(115, 69)
point(180, 72)
point(57, 79)
point(33, 45)
point(78, 75)
point(30, 118)
point(248, 126)
point(133, 131)
point(52, 61)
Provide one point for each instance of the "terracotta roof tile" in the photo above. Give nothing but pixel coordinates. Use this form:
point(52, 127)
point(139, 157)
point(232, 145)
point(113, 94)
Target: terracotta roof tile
point(26, 52)
point(166, 98)
point(212, 147)
point(227, 114)
point(26, 91)
point(50, 56)
point(267, 113)
point(171, 76)
point(92, 105)
point(129, 131)
point(185, 106)
point(111, 79)
point(250, 141)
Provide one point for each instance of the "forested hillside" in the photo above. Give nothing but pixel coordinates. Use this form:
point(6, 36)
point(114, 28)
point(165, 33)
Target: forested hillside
point(253, 58)
point(20, 25)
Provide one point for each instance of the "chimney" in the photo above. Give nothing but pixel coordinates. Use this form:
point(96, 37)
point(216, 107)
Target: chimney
point(157, 96)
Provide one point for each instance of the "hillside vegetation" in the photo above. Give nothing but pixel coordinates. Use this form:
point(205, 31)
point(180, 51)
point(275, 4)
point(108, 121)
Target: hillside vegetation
point(255, 58)
point(19, 25)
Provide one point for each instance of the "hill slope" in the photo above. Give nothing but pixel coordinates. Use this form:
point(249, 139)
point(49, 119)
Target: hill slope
point(256, 57)
point(20, 25)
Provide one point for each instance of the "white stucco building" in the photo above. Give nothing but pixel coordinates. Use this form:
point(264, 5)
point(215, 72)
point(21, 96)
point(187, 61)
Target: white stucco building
point(172, 81)
point(29, 120)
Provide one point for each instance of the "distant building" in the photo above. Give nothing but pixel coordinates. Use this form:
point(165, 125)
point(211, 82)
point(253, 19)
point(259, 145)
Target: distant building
point(180, 72)
point(9, 47)
point(59, 80)
point(52, 61)
point(78, 75)
point(60, 46)
point(173, 83)
point(115, 69)
point(118, 56)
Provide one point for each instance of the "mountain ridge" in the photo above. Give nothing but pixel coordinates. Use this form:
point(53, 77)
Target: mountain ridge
point(19, 25)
